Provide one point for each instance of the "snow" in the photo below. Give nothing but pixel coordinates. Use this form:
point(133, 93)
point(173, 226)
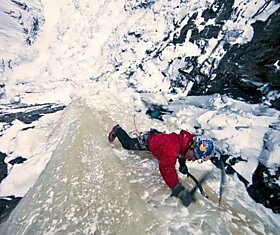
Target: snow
point(75, 58)
point(31, 143)
point(274, 158)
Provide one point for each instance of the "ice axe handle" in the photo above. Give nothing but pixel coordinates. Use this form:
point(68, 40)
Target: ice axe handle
point(198, 183)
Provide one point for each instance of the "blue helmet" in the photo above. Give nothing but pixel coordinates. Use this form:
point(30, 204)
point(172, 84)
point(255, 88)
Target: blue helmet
point(203, 147)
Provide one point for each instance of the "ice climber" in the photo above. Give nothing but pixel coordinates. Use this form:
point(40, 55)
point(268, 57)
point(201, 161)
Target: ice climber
point(167, 148)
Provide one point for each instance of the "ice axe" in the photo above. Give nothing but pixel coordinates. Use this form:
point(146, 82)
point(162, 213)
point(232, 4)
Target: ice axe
point(198, 183)
point(203, 178)
point(219, 163)
point(222, 183)
point(189, 196)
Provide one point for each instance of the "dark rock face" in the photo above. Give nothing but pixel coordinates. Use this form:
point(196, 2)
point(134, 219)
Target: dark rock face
point(7, 204)
point(3, 167)
point(265, 189)
point(17, 160)
point(250, 71)
point(3, 164)
point(29, 113)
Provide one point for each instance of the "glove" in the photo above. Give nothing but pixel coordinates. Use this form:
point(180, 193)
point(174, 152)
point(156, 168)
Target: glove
point(183, 167)
point(177, 189)
point(186, 197)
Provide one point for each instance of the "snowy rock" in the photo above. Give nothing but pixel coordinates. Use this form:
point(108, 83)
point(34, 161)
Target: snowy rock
point(3, 166)
point(23, 17)
point(247, 71)
point(17, 160)
point(27, 113)
point(7, 204)
point(265, 188)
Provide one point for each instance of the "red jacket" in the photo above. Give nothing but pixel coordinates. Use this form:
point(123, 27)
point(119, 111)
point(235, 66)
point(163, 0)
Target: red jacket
point(167, 148)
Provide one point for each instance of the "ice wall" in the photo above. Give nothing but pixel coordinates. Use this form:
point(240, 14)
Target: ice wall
point(83, 189)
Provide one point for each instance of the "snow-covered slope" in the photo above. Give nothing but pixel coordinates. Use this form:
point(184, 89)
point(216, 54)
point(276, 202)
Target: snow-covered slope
point(20, 25)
